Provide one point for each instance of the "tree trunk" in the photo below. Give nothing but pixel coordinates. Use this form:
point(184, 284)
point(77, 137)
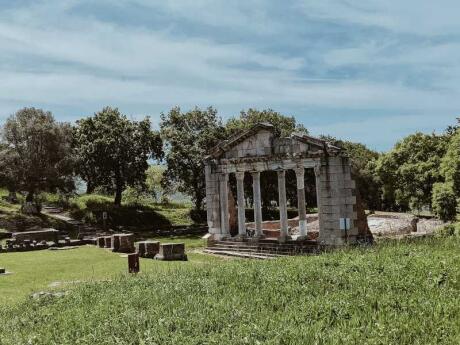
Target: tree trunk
point(12, 197)
point(118, 192)
point(89, 187)
point(29, 207)
point(198, 204)
point(30, 196)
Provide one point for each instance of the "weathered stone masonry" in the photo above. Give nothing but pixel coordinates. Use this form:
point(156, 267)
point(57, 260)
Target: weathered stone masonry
point(257, 150)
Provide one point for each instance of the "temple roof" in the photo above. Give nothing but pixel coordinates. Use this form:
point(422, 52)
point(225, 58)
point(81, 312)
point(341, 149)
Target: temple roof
point(260, 140)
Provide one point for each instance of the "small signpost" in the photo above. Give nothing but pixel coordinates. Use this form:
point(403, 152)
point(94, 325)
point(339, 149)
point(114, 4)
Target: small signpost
point(104, 220)
point(345, 225)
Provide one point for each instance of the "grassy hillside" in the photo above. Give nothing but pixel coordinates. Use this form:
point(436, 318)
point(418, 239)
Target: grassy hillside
point(140, 213)
point(396, 293)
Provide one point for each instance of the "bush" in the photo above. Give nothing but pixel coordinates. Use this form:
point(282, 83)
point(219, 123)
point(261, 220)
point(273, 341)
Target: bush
point(449, 230)
point(444, 201)
point(198, 216)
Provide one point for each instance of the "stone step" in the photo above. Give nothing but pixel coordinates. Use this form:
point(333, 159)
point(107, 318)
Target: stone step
point(258, 256)
point(260, 245)
point(256, 249)
point(250, 250)
point(269, 246)
point(274, 243)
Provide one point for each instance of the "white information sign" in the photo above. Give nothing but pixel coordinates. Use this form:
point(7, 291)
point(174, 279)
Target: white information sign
point(345, 224)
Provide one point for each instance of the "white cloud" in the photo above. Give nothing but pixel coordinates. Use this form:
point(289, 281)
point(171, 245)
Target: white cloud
point(410, 16)
point(52, 56)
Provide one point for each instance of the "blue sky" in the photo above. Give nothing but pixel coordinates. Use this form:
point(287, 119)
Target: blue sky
point(369, 71)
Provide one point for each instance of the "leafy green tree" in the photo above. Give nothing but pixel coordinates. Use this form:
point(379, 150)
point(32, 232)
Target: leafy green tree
point(188, 139)
point(37, 153)
point(113, 151)
point(451, 130)
point(444, 201)
point(284, 125)
point(410, 169)
point(155, 174)
point(450, 166)
point(8, 180)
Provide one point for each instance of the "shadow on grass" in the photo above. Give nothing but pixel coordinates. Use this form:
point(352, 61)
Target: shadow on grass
point(91, 211)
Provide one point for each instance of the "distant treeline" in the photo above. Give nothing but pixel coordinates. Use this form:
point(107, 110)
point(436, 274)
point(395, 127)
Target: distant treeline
point(111, 153)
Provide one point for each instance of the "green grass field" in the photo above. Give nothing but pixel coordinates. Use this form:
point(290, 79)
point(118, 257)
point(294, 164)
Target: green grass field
point(47, 269)
point(393, 293)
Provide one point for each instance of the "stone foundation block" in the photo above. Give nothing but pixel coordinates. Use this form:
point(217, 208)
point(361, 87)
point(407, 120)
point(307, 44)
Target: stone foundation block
point(171, 251)
point(101, 242)
point(115, 243)
point(108, 242)
point(148, 249)
point(45, 234)
point(125, 243)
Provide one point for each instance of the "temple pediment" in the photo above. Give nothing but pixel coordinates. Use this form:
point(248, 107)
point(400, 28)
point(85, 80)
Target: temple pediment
point(260, 141)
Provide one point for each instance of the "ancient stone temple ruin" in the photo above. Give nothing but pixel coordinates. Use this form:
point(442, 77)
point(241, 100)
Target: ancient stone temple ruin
point(257, 150)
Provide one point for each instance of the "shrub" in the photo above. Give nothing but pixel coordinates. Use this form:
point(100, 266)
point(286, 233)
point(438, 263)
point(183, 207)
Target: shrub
point(449, 230)
point(444, 201)
point(198, 216)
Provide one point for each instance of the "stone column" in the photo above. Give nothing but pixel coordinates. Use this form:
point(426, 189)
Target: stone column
point(282, 205)
point(257, 203)
point(317, 171)
point(300, 173)
point(224, 219)
point(241, 206)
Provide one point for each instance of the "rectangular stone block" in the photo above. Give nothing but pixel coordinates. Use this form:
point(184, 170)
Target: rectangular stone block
point(115, 243)
point(125, 243)
point(351, 200)
point(108, 242)
point(101, 242)
point(325, 201)
point(171, 251)
point(336, 192)
point(141, 249)
point(337, 169)
point(347, 209)
point(39, 235)
point(148, 249)
point(152, 248)
point(334, 178)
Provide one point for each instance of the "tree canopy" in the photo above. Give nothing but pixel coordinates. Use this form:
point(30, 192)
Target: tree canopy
point(450, 166)
point(113, 151)
point(409, 171)
point(155, 174)
point(36, 153)
point(188, 139)
point(284, 125)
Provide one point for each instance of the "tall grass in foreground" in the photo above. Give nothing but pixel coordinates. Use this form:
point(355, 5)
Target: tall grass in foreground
point(395, 293)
